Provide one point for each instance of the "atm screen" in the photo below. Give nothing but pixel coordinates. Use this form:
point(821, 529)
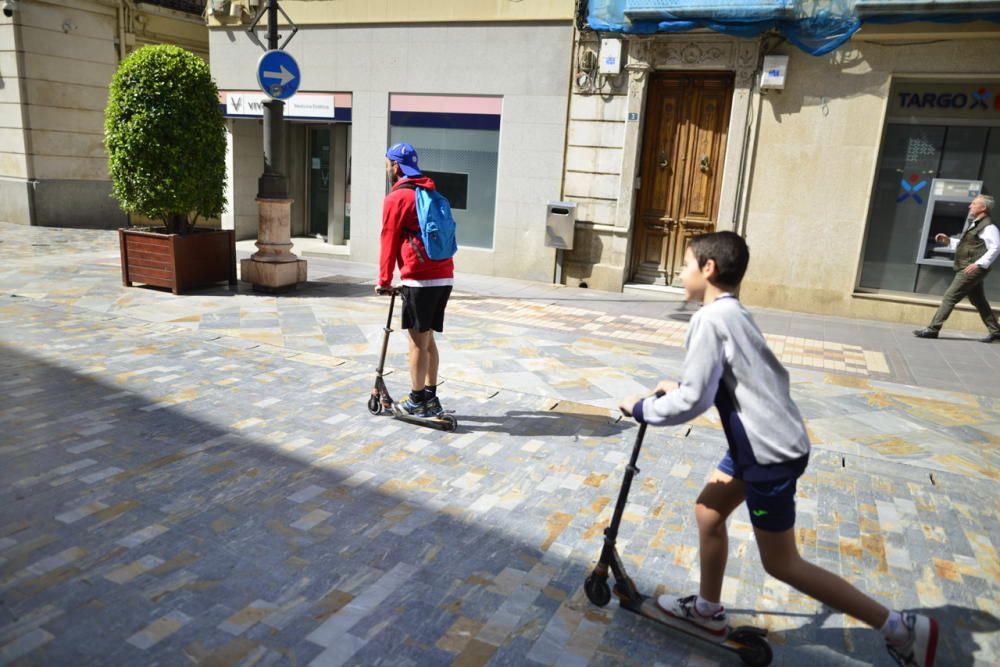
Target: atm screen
point(948, 218)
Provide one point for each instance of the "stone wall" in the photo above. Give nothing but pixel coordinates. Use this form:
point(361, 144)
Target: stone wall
point(57, 58)
point(814, 172)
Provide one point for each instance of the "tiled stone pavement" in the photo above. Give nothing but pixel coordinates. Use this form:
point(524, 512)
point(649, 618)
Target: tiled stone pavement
point(173, 493)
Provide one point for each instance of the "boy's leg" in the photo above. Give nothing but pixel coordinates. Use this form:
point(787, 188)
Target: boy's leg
point(721, 495)
point(781, 559)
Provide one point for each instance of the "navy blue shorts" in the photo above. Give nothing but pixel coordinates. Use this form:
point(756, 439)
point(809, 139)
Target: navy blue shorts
point(771, 504)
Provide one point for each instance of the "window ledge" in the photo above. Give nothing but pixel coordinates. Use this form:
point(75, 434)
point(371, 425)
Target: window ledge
point(911, 299)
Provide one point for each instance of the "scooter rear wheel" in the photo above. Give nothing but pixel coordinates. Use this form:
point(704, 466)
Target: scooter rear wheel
point(374, 404)
point(450, 423)
point(597, 590)
point(756, 652)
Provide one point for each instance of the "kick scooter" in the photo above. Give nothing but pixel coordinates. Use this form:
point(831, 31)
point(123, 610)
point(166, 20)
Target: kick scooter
point(380, 400)
point(747, 642)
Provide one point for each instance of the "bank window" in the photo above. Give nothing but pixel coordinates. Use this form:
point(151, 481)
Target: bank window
point(941, 146)
point(457, 140)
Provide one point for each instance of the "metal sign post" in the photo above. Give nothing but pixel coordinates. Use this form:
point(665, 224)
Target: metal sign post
point(273, 268)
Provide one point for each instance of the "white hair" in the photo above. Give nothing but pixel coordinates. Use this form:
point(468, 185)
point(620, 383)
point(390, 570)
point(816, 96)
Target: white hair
point(987, 202)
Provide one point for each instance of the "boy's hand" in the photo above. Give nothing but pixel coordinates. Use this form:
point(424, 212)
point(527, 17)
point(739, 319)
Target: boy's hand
point(628, 403)
point(666, 386)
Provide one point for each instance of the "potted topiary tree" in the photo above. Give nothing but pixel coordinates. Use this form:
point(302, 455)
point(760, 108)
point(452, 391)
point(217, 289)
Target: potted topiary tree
point(166, 143)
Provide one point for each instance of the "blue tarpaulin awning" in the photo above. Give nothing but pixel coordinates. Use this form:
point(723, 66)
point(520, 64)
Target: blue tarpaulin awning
point(815, 26)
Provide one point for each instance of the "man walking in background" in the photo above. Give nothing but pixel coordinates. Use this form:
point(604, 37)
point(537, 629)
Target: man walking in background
point(975, 251)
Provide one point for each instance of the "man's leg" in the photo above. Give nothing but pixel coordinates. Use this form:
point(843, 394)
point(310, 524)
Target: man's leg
point(957, 291)
point(781, 560)
point(721, 495)
point(977, 297)
point(432, 360)
point(420, 358)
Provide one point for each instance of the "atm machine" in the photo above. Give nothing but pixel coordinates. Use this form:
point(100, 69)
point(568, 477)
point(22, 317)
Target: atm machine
point(947, 213)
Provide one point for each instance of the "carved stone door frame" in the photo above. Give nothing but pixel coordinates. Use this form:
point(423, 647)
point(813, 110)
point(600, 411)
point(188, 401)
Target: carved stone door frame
point(687, 53)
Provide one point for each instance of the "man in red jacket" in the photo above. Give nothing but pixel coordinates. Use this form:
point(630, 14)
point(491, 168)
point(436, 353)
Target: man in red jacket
point(425, 283)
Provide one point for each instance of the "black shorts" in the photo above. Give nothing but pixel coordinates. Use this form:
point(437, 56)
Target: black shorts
point(423, 307)
point(771, 504)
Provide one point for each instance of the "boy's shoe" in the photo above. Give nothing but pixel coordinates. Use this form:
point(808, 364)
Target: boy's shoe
point(925, 333)
point(413, 409)
point(684, 609)
point(919, 649)
point(434, 406)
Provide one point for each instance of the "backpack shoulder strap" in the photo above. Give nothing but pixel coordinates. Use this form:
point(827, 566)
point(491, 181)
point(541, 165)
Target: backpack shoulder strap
point(410, 233)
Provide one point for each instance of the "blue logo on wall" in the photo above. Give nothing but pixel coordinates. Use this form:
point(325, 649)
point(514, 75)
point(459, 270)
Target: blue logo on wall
point(911, 188)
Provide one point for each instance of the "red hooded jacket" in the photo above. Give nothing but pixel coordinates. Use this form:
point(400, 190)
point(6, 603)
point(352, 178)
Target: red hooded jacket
point(401, 244)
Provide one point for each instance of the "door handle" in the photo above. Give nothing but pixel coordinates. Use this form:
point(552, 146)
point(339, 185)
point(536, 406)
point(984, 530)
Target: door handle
point(663, 161)
point(703, 164)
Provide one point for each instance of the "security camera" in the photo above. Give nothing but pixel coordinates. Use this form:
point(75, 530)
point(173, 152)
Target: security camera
point(9, 7)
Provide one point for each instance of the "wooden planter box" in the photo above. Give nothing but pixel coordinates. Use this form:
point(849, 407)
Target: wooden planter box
point(199, 259)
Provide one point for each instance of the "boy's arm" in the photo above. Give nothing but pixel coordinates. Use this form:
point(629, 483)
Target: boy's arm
point(392, 238)
point(700, 379)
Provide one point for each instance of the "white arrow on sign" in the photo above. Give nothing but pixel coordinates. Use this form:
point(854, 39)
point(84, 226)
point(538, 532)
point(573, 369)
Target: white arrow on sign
point(284, 75)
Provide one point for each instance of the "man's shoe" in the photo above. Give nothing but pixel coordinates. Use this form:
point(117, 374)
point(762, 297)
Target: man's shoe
point(684, 609)
point(919, 648)
point(925, 333)
point(434, 406)
point(992, 338)
point(410, 407)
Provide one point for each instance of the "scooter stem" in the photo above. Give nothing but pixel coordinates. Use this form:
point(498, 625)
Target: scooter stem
point(612, 530)
point(385, 336)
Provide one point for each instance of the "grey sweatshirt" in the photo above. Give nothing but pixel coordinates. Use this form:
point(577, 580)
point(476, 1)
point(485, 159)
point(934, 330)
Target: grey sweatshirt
point(728, 363)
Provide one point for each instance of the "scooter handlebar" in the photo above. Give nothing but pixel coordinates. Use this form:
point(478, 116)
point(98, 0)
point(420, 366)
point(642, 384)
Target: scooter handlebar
point(655, 395)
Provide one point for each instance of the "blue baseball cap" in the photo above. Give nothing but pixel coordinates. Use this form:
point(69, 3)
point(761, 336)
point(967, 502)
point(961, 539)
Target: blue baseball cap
point(406, 156)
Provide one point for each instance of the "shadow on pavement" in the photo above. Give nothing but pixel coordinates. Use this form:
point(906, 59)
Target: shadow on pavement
point(956, 626)
point(118, 510)
point(540, 423)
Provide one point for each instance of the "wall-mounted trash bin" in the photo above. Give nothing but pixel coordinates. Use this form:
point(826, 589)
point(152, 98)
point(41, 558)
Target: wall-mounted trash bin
point(560, 220)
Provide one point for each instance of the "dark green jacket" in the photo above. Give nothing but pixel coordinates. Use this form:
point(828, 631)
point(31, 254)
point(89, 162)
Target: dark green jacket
point(971, 247)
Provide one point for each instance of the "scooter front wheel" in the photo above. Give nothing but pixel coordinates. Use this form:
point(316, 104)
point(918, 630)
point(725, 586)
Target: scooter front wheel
point(597, 590)
point(755, 651)
point(374, 404)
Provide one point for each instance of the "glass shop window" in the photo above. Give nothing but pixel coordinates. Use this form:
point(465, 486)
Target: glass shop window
point(458, 141)
point(941, 140)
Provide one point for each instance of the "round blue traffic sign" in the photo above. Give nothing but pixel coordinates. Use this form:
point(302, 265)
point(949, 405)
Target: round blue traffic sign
point(278, 74)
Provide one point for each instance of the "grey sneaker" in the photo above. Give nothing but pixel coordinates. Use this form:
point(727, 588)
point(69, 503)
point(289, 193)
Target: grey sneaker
point(684, 609)
point(921, 645)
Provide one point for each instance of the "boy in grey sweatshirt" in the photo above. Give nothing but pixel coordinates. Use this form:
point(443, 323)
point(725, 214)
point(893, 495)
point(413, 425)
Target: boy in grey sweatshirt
point(728, 364)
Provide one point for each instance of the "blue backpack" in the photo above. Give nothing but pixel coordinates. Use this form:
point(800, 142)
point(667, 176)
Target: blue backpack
point(437, 226)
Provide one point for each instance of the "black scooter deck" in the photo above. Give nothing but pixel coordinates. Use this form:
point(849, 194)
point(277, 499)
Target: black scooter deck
point(646, 606)
point(440, 423)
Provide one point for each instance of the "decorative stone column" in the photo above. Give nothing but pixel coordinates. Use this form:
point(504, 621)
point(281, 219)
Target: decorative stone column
point(273, 268)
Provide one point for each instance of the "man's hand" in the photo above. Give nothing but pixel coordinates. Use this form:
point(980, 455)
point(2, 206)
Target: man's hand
point(971, 269)
point(942, 238)
point(384, 291)
point(628, 403)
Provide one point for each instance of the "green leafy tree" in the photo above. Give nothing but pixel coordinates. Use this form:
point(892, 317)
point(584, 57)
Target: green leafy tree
point(166, 137)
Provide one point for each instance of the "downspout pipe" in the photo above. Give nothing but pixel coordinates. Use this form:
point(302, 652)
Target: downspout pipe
point(31, 182)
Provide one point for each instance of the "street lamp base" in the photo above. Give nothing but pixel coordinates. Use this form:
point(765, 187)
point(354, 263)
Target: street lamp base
point(272, 277)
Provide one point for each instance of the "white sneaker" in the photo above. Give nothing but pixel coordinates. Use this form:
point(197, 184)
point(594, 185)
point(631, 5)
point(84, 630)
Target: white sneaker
point(684, 609)
point(921, 645)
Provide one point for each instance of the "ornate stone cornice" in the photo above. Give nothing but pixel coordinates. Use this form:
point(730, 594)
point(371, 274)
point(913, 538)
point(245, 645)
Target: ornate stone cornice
point(711, 53)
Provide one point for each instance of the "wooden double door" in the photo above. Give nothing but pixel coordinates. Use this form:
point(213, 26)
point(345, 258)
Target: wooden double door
point(680, 176)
